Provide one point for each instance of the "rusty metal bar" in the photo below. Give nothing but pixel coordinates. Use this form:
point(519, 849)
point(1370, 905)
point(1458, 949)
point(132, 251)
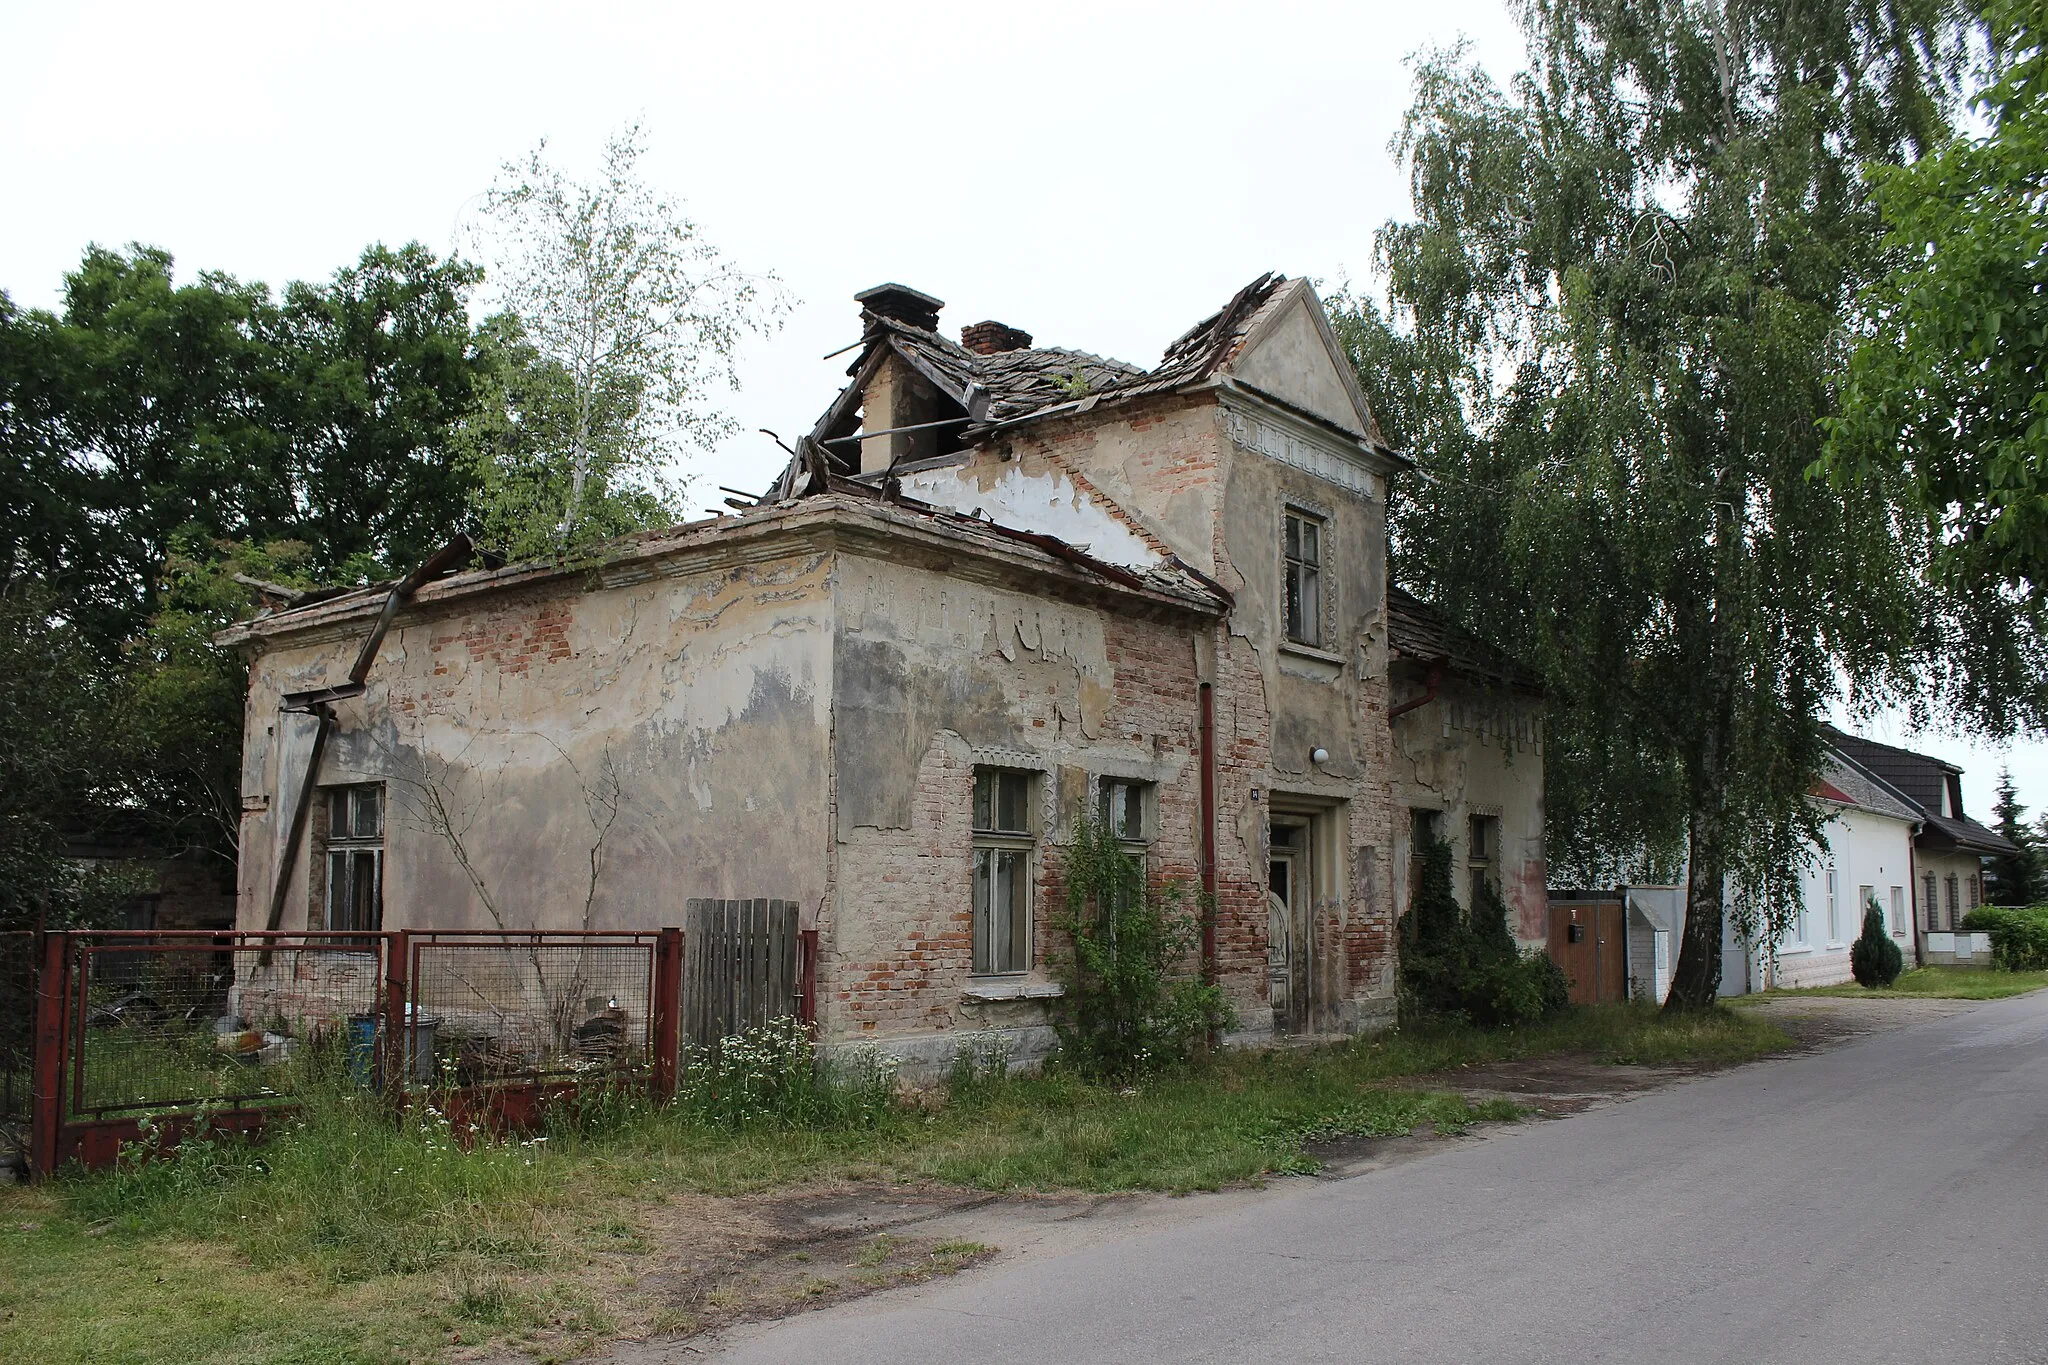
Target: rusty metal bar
point(666, 1031)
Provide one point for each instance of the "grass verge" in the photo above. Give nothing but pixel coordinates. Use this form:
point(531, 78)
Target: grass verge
point(1930, 983)
point(349, 1240)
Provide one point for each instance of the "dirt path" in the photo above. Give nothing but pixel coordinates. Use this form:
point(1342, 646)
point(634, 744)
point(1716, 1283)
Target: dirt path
point(719, 1262)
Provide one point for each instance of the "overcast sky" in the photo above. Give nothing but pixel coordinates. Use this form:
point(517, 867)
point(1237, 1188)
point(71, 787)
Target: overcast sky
point(1101, 175)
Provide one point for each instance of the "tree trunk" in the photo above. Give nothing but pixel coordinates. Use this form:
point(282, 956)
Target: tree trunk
point(1696, 982)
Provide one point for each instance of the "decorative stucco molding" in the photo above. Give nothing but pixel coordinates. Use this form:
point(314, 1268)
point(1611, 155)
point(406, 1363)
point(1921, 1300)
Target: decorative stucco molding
point(1252, 432)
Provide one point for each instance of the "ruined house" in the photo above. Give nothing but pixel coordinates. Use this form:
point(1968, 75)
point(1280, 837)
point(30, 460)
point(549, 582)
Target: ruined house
point(997, 585)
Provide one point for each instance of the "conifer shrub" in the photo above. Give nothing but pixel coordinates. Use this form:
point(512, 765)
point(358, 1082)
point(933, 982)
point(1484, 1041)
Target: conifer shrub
point(1873, 957)
point(1459, 966)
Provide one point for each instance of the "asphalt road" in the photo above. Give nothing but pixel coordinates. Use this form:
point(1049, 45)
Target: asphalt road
point(1883, 1201)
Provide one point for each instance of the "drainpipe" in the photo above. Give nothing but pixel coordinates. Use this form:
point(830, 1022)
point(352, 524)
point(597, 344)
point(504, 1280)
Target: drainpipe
point(1913, 892)
point(1207, 739)
point(1436, 679)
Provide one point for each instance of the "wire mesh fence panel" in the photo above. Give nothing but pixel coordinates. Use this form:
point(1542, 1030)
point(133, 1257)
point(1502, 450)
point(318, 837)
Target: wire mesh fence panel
point(739, 966)
point(176, 1020)
point(507, 1008)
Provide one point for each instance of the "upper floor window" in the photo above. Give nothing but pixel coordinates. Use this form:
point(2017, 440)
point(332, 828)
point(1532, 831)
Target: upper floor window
point(1004, 842)
point(1304, 586)
point(355, 857)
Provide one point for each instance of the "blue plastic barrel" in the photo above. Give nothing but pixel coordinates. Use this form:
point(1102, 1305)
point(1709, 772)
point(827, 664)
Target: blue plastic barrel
point(362, 1049)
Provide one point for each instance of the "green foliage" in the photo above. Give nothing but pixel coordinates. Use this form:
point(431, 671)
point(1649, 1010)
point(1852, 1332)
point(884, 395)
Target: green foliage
point(635, 318)
point(1874, 959)
point(2016, 878)
point(1461, 967)
point(1617, 315)
point(1130, 1005)
point(2019, 935)
point(1946, 378)
point(511, 450)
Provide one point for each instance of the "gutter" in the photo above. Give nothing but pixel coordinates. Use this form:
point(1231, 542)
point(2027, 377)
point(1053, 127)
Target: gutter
point(1436, 680)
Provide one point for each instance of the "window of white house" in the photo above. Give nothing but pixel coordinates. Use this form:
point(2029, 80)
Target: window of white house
point(1304, 587)
point(355, 857)
point(1864, 896)
point(1482, 854)
point(1898, 909)
point(1834, 906)
point(1004, 842)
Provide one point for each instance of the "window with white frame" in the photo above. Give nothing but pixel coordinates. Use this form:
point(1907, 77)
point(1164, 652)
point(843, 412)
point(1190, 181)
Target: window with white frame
point(355, 857)
point(1005, 843)
point(1303, 554)
point(1898, 909)
point(1834, 903)
point(1866, 896)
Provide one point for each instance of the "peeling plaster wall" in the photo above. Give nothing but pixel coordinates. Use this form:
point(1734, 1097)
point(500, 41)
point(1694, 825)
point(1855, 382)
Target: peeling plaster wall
point(1035, 495)
point(1284, 702)
point(1158, 460)
point(936, 675)
point(1477, 751)
point(701, 696)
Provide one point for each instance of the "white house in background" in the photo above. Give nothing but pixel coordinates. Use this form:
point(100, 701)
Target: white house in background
point(1868, 852)
point(1866, 855)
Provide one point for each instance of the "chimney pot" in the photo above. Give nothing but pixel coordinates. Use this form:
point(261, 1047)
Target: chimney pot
point(993, 338)
point(901, 303)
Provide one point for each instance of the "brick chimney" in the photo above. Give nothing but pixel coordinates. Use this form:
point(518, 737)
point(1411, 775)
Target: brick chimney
point(993, 338)
point(901, 303)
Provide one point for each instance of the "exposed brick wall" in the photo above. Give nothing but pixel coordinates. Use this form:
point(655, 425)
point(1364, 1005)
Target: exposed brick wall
point(897, 938)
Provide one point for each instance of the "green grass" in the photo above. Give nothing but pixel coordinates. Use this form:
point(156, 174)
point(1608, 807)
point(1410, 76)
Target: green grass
point(350, 1239)
point(1932, 983)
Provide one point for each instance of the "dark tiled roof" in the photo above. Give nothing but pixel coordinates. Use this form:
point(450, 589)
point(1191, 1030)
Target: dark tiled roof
point(1417, 634)
point(1018, 382)
point(1921, 780)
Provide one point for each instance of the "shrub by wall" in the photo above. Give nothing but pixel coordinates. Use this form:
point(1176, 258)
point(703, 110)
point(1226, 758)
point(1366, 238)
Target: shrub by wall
point(2019, 935)
point(1466, 967)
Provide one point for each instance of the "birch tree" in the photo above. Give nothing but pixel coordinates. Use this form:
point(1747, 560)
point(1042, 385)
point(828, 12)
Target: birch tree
point(1626, 286)
point(636, 319)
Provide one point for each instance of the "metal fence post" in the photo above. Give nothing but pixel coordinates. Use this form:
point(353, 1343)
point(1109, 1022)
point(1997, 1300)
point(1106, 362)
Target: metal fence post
point(668, 1013)
point(396, 1050)
point(47, 1103)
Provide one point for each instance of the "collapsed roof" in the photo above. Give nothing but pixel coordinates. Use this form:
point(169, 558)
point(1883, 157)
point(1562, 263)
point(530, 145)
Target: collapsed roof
point(1004, 380)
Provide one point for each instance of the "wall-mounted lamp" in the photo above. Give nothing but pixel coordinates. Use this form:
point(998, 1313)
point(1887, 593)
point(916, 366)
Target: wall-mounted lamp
point(1319, 756)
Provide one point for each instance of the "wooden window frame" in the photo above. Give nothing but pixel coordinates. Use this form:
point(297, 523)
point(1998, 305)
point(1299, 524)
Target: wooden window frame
point(347, 849)
point(1304, 577)
point(997, 844)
